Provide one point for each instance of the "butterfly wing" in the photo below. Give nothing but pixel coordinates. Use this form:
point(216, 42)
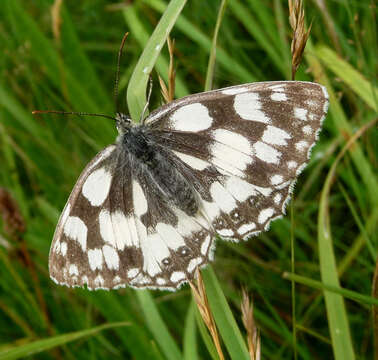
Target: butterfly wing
point(258, 137)
point(117, 229)
point(172, 242)
point(73, 252)
point(239, 149)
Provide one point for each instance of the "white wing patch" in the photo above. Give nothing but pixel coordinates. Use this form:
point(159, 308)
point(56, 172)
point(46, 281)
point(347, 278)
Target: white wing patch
point(267, 153)
point(248, 107)
point(233, 140)
point(95, 259)
point(139, 199)
point(193, 117)
point(300, 113)
point(111, 257)
point(275, 136)
point(222, 197)
point(155, 250)
point(192, 161)
point(228, 158)
point(116, 230)
point(96, 186)
point(239, 188)
point(265, 215)
point(171, 237)
point(278, 96)
point(75, 229)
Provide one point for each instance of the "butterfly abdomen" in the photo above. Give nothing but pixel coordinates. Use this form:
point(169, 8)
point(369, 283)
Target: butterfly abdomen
point(150, 158)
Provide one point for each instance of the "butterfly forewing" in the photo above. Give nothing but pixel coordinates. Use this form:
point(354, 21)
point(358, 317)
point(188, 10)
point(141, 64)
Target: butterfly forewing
point(257, 137)
point(221, 162)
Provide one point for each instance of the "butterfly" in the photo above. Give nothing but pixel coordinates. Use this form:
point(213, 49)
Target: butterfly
point(146, 210)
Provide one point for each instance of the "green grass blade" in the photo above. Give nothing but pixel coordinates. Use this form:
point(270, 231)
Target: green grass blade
point(157, 326)
point(349, 294)
point(342, 125)
point(358, 220)
point(344, 71)
point(336, 312)
point(138, 30)
point(224, 319)
point(212, 57)
point(136, 90)
point(49, 343)
point(190, 334)
point(256, 31)
point(26, 28)
point(26, 121)
point(204, 42)
point(114, 307)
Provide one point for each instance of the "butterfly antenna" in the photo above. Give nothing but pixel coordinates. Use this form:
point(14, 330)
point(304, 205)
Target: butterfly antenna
point(116, 82)
point(71, 113)
point(148, 99)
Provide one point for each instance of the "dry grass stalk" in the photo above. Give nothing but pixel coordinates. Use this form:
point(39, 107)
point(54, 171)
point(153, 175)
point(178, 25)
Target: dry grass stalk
point(253, 337)
point(56, 19)
point(169, 93)
point(300, 35)
point(199, 294)
point(13, 221)
point(15, 226)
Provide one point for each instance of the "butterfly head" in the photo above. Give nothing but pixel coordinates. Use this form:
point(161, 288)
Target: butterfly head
point(123, 123)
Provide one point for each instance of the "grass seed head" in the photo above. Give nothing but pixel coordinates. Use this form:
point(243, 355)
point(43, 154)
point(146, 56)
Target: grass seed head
point(300, 35)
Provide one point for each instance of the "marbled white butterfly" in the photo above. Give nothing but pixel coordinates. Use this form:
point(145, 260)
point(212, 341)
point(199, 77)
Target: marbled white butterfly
point(146, 209)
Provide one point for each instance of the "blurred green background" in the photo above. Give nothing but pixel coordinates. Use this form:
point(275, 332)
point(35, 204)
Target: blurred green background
point(62, 55)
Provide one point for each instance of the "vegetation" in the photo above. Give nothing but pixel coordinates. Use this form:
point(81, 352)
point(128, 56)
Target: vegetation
point(311, 276)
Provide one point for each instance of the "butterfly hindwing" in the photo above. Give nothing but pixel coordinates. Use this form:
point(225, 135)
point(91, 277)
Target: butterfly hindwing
point(75, 259)
point(117, 229)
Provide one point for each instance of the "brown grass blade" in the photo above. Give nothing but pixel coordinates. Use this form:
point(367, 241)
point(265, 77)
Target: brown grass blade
point(56, 18)
point(13, 221)
point(199, 294)
point(169, 92)
point(253, 336)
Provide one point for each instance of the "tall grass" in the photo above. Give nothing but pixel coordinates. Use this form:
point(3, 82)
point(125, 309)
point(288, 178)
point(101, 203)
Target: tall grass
point(334, 210)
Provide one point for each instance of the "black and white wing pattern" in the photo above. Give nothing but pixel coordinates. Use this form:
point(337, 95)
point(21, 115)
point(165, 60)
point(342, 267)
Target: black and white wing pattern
point(146, 210)
point(258, 137)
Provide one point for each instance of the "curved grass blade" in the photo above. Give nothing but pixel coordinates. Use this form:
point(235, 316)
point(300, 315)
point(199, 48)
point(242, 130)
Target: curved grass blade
point(157, 326)
point(226, 60)
point(45, 344)
point(224, 319)
point(213, 52)
point(139, 31)
point(349, 294)
point(341, 124)
point(136, 91)
point(337, 317)
point(358, 83)
point(190, 333)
